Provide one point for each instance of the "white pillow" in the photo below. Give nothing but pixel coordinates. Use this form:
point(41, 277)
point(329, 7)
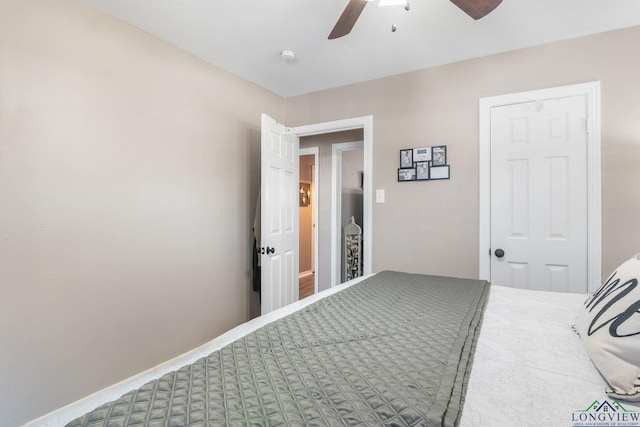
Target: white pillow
point(609, 325)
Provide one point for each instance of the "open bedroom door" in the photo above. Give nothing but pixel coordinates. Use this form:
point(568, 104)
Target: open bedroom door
point(279, 210)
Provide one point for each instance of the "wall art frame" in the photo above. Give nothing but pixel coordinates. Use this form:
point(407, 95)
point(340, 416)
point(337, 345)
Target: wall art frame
point(406, 158)
point(406, 174)
point(439, 172)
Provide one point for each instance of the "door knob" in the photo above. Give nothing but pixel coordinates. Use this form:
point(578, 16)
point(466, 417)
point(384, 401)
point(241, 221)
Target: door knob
point(270, 250)
point(499, 253)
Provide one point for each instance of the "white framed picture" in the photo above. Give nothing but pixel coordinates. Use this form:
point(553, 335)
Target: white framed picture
point(422, 154)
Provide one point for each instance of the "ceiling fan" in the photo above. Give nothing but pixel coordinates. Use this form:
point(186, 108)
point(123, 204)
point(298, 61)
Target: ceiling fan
point(474, 8)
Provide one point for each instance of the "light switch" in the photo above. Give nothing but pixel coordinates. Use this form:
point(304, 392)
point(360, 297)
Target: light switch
point(380, 195)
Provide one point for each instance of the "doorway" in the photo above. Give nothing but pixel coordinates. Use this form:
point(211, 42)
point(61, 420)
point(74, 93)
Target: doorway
point(308, 211)
point(365, 126)
point(279, 208)
point(540, 189)
point(332, 148)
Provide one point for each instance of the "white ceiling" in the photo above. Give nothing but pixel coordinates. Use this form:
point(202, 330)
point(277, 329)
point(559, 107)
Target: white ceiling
point(245, 37)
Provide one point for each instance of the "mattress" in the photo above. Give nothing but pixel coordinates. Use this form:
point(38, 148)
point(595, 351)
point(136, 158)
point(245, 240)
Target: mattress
point(529, 367)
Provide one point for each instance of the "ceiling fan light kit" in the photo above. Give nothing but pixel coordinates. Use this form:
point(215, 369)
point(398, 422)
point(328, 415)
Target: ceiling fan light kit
point(474, 8)
point(392, 2)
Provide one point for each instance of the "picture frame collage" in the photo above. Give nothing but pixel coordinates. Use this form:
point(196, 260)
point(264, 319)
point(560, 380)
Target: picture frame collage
point(424, 164)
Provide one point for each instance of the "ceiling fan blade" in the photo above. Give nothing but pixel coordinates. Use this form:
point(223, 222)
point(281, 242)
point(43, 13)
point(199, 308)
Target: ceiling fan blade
point(348, 18)
point(477, 8)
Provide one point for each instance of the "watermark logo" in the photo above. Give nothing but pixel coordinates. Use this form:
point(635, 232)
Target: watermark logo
point(605, 414)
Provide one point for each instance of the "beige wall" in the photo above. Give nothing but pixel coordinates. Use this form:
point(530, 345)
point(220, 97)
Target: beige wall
point(432, 227)
point(129, 173)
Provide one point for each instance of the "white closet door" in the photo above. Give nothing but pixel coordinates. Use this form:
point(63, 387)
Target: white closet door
point(539, 195)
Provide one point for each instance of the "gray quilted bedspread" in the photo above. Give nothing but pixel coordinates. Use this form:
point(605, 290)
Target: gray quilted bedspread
point(393, 350)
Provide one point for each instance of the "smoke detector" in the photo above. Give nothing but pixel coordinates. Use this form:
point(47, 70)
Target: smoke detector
point(288, 55)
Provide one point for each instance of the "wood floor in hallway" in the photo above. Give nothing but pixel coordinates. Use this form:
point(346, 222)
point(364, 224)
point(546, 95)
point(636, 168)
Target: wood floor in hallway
point(306, 286)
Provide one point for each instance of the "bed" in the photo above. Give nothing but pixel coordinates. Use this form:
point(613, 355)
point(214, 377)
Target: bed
point(508, 356)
